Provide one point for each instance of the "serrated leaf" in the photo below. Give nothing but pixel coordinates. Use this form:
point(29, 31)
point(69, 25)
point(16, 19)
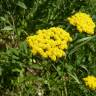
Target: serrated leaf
point(22, 5)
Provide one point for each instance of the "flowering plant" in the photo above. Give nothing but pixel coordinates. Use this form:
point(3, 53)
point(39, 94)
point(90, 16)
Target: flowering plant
point(83, 22)
point(49, 43)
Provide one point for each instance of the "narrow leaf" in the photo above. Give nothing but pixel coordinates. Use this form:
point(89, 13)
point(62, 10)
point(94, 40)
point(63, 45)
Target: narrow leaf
point(7, 28)
point(74, 77)
point(22, 5)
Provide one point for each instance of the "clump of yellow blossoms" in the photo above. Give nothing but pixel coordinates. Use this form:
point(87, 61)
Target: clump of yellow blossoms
point(90, 81)
point(49, 43)
point(83, 22)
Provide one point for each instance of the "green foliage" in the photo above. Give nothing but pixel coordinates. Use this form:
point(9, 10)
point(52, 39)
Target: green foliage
point(21, 73)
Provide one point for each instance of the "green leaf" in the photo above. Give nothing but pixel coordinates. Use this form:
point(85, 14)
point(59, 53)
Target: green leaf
point(22, 5)
point(23, 47)
point(7, 28)
point(74, 77)
point(69, 67)
point(84, 67)
point(1, 71)
point(16, 70)
point(2, 18)
point(35, 66)
point(84, 41)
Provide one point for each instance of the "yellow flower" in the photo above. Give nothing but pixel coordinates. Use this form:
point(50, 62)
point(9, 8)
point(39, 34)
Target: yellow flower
point(53, 57)
point(90, 81)
point(34, 51)
point(83, 22)
point(49, 43)
point(44, 55)
point(65, 46)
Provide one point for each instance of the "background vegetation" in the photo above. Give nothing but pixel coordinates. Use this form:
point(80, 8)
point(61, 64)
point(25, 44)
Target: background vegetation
point(21, 73)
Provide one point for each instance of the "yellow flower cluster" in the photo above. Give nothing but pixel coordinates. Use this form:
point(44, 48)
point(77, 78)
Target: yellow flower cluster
point(49, 43)
point(90, 81)
point(83, 22)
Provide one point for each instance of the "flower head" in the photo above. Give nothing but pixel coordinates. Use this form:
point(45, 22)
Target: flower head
point(83, 22)
point(49, 43)
point(90, 81)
